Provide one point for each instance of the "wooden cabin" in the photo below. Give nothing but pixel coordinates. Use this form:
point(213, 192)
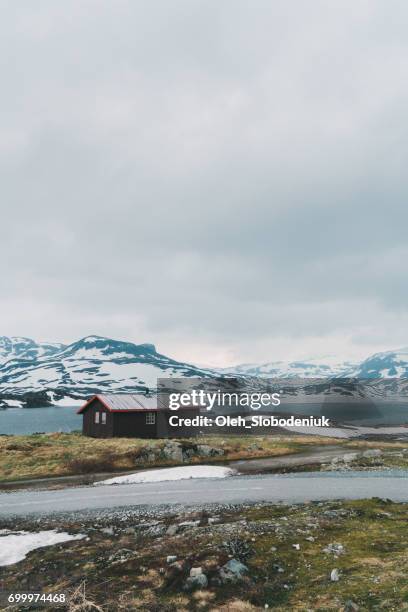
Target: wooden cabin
point(133, 416)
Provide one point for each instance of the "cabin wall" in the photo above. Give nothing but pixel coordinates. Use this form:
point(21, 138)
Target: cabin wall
point(133, 424)
point(97, 430)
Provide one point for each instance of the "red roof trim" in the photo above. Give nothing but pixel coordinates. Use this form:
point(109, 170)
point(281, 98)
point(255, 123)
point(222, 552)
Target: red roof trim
point(82, 408)
point(98, 397)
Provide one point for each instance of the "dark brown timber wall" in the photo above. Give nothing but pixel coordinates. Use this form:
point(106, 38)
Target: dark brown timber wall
point(133, 424)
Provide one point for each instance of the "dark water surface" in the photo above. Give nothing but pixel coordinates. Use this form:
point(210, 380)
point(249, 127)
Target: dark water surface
point(22, 421)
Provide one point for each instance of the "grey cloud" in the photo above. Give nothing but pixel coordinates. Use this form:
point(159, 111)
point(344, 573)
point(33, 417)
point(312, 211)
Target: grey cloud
point(205, 174)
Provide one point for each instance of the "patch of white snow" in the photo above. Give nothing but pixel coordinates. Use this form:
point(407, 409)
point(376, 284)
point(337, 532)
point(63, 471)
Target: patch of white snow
point(14, 546)
point(176, 473)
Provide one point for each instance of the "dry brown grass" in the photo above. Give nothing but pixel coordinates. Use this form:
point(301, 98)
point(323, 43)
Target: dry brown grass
point(60, 454)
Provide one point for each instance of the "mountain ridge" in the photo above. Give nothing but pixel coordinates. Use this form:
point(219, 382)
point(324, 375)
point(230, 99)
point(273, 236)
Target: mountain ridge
point(43, 373)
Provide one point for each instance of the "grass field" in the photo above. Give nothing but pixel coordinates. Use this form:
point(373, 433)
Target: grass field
point(61, 454)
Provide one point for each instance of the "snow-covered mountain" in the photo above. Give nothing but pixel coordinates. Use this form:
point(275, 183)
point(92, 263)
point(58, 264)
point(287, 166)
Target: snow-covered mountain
point(34, 373)
point(325, 367)
point(25, 348)
point(53, 372)
point(389, 364)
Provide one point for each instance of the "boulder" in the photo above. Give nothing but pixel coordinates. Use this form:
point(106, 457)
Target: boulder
point(233, 571)
point(188, 453)
point(148, 454)
point(171, 558)
point(187, 524)
point(205, 450)
point(350, 457)
point(173, 451)
point(372, 452)
point(196, 582)
point(334, 549)
point(108, 530)
point(334, 575)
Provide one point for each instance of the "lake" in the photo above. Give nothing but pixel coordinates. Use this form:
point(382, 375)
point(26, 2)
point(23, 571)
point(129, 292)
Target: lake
point(22, 421)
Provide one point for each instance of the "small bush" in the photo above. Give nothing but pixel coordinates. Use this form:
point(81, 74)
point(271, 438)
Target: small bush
point(238, 548)
point(86, 465)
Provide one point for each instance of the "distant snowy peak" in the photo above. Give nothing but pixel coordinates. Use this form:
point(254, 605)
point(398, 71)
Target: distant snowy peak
point(311, 368)
point(15, 347)
point(389, 364)
point(97, 347)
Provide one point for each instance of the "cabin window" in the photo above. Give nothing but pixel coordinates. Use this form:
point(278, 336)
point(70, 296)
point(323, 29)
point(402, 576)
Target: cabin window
point(103, 417)
point(96, 417)
point(150, 418)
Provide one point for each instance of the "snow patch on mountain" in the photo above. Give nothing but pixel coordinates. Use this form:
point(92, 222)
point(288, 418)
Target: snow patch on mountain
point(64, 374)
point(78, 370)
point(388, 364)
point(326, 367)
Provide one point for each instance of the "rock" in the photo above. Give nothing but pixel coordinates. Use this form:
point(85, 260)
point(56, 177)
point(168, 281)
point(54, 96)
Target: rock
point(350, 457)
point(254, 447)
point(108, 530)
point(186, 524)
point(173, 451)
point(196, 582)
point(188, 453)
point(233, 571)
point(310, 539)
point(372, 452)
point(334, 549)
point(212, 520)
point(196, 571)
point(171, 558)
point(350, 606)
point(331, 514)
point(148, 454)
point(334, 575)
point(296, 546)
point(177, 567)
point(204, 450)
point(172, 530)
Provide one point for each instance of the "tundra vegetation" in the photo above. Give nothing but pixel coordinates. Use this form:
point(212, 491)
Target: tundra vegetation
point(63, 454)
point(317, 556)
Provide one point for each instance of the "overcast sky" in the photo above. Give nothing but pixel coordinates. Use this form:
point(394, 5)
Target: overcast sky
point(226, 179)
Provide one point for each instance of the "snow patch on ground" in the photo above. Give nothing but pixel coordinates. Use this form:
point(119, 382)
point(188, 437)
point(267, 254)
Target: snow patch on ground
point(14, 546)
point(65, 402)
point(176, 473)
point(13, 403)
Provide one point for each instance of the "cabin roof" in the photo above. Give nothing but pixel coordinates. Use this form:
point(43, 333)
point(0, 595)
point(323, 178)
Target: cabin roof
point(129, 402)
